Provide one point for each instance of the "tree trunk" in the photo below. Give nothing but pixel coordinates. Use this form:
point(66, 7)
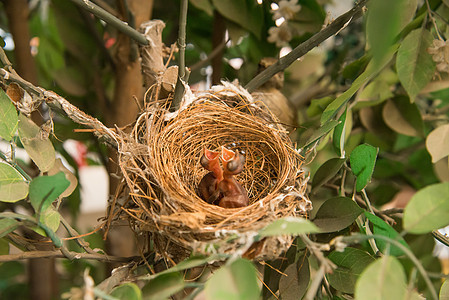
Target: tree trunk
point(42, 279)
point(128, 90)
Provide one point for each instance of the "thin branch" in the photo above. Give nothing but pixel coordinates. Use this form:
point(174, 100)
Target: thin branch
point(104, 5)
point(334, 28)
point(118, 275)
point(57, 102)
point(81, 242)
point(315, 285)
point(112, 20)
point(179, 89)
point(59, 254)
point(430, 14)
point(315, 249)
point(211, 55)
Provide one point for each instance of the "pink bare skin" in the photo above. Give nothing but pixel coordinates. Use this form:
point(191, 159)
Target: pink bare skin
point(208, 186)
point(232, 192)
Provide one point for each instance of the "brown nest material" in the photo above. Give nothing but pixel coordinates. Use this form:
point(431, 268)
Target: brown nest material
point(160, 162)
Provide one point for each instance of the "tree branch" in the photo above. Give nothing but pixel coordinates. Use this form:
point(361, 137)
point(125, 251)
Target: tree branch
point(179, 89)
point(59, 254)
point(80, 241)
point(211, 55)
point(334, 28)
point(112, 20)
point(57, 102)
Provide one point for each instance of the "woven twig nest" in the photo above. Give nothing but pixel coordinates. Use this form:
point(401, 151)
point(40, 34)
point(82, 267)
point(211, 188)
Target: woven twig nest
point(160, 162)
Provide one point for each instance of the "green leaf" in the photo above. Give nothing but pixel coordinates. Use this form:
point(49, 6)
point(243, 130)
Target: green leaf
point(428, 209)
point(437, 143)
point(327, 171)
point(237, 281)
point(46, 189)
point(246, 13)
point(8, 117)
point(339, 136)
point(403, 117)
point(378, 90)
point(384, 279)
point(163, 286)
point(319, 133)
point(12, 185)
point(380, 227)
point(317, 106)
point(289, 225)
point(414, 65)
point(127, 291)
point(363, 159)
point(444, 291)
point(350, 264)
point(355, 68)
point(39, 149)
point(4, 247)
point(336, 214)
point(294, 284)
point(51, 219)
point(370, 71)
point(381, 35)
point(59, 167)
point(204, 5)
point(7, 226)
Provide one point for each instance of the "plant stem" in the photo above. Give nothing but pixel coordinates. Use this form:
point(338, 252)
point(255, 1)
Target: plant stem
point(112, 20)
point(80, 241)
point(315, 285)
point(211, 55)
point(15, 166)
point(179, 89)
point(59, 254)
point(360, 237)
point(334, 28)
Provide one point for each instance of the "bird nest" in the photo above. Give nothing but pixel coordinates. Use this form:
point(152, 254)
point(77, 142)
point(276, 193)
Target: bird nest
point(160, 162)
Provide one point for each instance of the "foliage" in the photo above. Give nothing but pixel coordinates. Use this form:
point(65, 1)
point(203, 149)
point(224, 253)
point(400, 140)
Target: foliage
point(375, 123)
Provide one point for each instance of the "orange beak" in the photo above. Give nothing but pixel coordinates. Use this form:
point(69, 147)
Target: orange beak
point(226, 154)
point(211, 155)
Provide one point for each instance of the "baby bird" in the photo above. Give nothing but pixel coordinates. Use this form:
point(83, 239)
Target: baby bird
point(208, 186)
point(232, 193)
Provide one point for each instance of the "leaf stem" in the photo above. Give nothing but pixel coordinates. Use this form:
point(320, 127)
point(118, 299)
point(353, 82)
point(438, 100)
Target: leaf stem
point(15, 166)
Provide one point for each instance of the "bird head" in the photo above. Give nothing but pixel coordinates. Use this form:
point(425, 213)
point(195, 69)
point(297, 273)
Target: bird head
point(233, 161)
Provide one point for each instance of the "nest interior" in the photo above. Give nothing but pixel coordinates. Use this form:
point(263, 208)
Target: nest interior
point(160, 162)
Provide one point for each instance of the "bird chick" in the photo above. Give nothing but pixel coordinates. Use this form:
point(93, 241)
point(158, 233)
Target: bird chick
point(233, 195)
point(208, 186)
